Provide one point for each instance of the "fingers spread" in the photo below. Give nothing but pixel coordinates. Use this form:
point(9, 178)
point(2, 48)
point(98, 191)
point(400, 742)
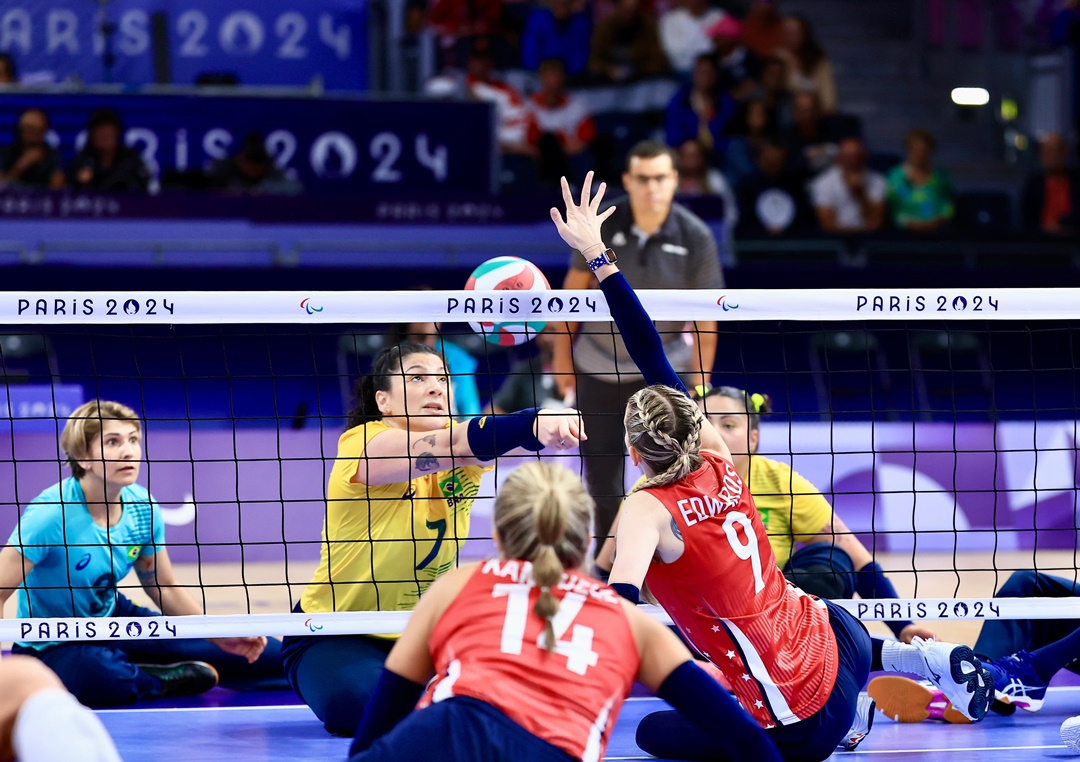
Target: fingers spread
point(598, 198)
point(586, 189)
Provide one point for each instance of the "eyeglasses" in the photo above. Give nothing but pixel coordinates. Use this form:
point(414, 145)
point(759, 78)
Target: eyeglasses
point(648, 179)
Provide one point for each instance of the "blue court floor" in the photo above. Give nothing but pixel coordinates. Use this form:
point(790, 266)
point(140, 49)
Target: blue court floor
point(236, 731)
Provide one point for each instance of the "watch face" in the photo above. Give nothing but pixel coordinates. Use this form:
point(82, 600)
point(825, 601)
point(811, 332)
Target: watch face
point(610, 256)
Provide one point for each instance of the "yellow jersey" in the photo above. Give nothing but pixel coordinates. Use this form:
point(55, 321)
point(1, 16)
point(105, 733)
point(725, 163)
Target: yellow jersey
point(791, 508)
point(383, 545)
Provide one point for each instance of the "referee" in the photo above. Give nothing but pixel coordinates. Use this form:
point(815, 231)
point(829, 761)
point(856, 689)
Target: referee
point(659, 244)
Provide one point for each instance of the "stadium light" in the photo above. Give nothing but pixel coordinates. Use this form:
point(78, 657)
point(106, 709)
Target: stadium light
point(970, 96)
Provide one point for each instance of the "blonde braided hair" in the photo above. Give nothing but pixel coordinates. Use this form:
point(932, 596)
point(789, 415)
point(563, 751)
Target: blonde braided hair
point(664, 426)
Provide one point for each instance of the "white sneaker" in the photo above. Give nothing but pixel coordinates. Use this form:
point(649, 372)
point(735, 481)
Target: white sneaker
point(864, 720)
point(1070, 733)
point(957, 672)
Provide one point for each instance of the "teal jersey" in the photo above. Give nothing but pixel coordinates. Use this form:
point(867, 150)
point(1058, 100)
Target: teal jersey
point(78, 562)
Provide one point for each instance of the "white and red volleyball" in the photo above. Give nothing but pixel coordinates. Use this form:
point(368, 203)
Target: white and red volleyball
point(508, 274)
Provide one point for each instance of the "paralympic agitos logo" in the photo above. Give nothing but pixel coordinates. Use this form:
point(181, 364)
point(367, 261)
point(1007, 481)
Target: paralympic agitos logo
point(309, 308)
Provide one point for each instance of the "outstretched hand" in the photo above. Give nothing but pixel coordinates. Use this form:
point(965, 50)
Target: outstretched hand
point(581, 228)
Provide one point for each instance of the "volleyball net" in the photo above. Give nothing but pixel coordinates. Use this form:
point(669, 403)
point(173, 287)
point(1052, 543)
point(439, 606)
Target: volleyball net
point(941, 425)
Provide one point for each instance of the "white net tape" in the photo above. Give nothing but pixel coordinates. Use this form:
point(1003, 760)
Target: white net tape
point(201, 307)
point(393, 622)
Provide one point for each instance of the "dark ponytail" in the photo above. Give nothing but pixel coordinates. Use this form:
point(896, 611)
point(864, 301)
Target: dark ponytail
point(384, 367)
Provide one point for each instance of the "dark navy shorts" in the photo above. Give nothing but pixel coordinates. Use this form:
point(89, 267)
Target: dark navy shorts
point(461, 729)
point(816, 737)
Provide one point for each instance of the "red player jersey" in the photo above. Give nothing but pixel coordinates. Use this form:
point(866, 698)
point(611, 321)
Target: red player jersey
point(772, 641)
point(488, 645)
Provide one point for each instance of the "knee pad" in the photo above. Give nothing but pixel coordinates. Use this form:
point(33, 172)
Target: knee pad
point(81, 736)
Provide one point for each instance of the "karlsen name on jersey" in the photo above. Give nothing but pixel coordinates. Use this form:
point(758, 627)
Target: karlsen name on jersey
point(489, 645)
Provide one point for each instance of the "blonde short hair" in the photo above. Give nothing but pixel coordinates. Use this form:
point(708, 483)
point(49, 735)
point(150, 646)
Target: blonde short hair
point(543, 515)
point(83, 428)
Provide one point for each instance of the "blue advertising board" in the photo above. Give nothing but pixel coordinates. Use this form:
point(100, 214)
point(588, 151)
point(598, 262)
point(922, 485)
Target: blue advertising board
point(329, 144)
point(271, 42)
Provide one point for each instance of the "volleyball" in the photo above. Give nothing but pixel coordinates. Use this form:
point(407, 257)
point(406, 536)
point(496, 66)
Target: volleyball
point(508, 274)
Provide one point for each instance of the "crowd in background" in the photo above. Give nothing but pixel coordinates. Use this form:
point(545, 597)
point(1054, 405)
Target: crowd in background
point(756, 118)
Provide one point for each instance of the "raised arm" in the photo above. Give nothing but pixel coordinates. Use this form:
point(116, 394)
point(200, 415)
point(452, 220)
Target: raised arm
point(399, 455)
point(581, 230)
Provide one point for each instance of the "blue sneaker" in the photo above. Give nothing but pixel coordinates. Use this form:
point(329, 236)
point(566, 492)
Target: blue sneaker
point(1016, 683)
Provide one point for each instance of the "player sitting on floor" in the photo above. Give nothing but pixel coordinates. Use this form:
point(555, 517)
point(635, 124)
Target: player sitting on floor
point(793, 511)
point(41, 722)
point(691, 531)
point(72, 546)
point(1023, 655)
point(532, 658)
point(398, 505)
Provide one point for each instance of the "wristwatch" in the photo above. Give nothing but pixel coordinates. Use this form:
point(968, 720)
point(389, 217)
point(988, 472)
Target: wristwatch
point(606, 257)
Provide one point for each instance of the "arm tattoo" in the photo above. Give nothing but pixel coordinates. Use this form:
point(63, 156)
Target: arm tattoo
point(427, 462)
point(676, 531)
point(429, 441)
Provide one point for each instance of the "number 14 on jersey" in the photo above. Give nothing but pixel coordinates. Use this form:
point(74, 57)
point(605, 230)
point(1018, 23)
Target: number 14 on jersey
point(578, 649)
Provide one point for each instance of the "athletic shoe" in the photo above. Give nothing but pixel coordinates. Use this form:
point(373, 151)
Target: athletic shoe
point(959, 674)
point(185, 678)
point(907, 700)
point(1016, 682)
point(864, 720)
point(1070, 733)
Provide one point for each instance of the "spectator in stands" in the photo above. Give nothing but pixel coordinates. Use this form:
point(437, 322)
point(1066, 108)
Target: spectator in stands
point(1051, 199)
point(105, 163)
point(812, 140)
point(697, 178)
point(684, 33)
point(252, 170)
point(920, 196)
point(700, 110)
point(773, 89)
point(511, 114)
point(561, 30)
point(763, 28)
point(9, 72)
point(849, 197)
point(739, 68)
point(773, 202)
point(461, 24)
point(560, 126)
point(808, 67)
point(30, 162)
point(626, 45)
point(663, 245)
point(754, 123)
